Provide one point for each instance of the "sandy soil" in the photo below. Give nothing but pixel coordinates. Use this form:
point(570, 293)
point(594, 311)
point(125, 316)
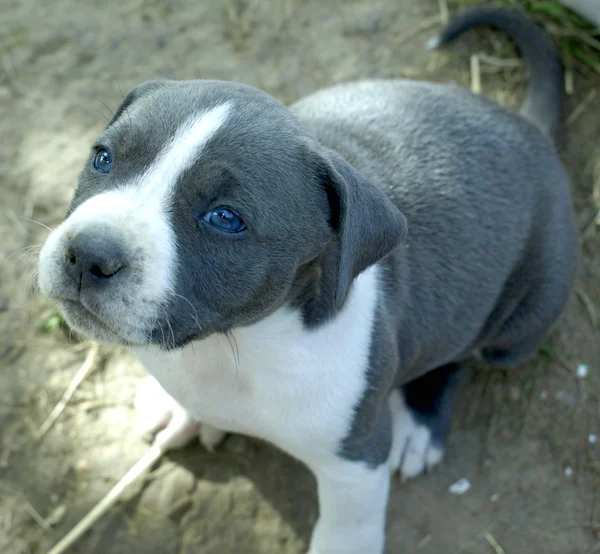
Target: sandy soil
point(521, 438)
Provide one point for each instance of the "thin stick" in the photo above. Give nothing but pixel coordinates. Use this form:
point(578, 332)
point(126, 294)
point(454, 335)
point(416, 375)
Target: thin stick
point(503, 63)
point(569, 82)
point(36, 515)
point(475, 75)
point(589, 306)
point(81, 374)
point(152, 456)
point(444, 15)
point(581, 107)
point(421, 27)
point(494, 543)
point(589, 228)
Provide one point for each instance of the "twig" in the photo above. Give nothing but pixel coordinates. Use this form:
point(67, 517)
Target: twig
point(589, 306)
point(418, 29)
point(581, 107)
point(152, 456)
point(81, 374)
point(494, 543)
point(36, 515)
point(9, 69)
point(475, 74)
point(94, 404)
point(589, 228)
point(424, 542)
point(444, 15)
point(569, 82)
point(504, 63)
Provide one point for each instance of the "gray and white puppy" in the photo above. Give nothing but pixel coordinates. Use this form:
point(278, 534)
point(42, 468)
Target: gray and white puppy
point(317, 276)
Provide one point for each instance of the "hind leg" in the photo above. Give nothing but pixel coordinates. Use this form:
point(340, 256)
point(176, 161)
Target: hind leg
point(521, 335)
point(421, 412)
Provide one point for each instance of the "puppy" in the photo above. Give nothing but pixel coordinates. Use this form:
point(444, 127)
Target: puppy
point(317, 276)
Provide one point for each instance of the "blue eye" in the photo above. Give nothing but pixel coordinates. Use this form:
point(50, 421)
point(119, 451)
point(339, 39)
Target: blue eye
point(103, 161)
point(225, 220)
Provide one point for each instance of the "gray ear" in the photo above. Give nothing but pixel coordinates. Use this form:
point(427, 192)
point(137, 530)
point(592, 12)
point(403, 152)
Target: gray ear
point(367, 224)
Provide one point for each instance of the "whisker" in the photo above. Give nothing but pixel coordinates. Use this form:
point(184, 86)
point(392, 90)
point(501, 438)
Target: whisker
point(162, 330)
point(170, 326)
point(113, 113)
point(104, 116)
point(30, 253)
point(191, 306)
point(236, 357)
point(120, 90)
point(237, 349)
point(25, 281)
point(38, 222)
point(27, 251)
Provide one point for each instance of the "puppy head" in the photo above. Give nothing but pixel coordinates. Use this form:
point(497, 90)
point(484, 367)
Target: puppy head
point(200, 209)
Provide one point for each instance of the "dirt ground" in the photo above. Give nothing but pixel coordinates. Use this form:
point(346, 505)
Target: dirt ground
point(524, 439)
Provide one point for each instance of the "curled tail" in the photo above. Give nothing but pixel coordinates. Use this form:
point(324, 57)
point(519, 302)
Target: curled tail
point(543, 101)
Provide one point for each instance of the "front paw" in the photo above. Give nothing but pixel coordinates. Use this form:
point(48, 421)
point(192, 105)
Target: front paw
point(415, 449)
point(211, 437)
point(369, 539)
point(158, 413)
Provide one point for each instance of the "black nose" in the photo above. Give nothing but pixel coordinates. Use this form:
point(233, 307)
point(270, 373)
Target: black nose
point(92, 259)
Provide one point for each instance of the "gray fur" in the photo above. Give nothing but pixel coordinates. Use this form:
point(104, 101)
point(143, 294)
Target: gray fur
point(543, 100)
point(327, 189)
point(492, 249)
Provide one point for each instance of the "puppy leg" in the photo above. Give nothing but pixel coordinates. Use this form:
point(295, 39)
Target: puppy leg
point(352, 507)
point(421, 412)
point(157, 411)
point(211, 437)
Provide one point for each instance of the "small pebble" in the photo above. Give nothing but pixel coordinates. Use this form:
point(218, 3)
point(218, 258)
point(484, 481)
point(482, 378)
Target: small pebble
point(568, 471)
point(82, 465)
point(460, 487)
point(495, 497)
point(592, 438)
point(544, 395)
point(582, 371)
point(565, 398)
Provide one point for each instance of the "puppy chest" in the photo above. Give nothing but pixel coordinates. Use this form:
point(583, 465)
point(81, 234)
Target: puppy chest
point(291, 397)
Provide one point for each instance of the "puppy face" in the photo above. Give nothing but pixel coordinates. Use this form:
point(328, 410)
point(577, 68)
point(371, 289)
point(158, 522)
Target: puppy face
point(200, 206)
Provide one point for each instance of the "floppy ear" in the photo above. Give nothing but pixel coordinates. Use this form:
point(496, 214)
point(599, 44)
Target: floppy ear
point(367, 224)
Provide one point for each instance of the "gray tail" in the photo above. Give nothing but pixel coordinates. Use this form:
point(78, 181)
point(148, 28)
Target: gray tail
point(543, 101)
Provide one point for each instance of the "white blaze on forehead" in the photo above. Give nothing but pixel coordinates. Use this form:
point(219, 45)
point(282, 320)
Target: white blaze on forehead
point(179, 154)
point(135, 214)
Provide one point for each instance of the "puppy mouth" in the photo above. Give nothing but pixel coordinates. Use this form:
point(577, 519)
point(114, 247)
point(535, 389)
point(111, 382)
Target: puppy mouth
point(83, 320)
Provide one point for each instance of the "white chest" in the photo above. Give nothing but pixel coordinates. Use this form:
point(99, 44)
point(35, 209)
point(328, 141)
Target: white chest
point(276, 380)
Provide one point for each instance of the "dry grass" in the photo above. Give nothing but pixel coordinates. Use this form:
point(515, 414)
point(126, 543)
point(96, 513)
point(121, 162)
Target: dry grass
point(577, 39)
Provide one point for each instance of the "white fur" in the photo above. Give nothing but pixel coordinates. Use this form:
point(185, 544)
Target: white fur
point(157, 183)
point(352, 509)
point(412, 450)
point(157, 411)
point(280, 377)
point(296, 388)
point(136, 212)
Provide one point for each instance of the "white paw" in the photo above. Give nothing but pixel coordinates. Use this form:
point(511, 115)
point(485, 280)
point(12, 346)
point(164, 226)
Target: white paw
point(357, 540)
point(210, 436)
point(412, 449)
point(158, 413)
